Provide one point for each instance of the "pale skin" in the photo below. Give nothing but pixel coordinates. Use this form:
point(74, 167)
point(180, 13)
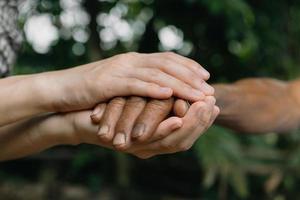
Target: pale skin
point(32, 129)
point(159, 76)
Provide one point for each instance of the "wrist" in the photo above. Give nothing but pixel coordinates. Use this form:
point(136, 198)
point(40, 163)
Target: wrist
point(59, 129)
point(48, 91)
point(64, 90)
point(54, 89)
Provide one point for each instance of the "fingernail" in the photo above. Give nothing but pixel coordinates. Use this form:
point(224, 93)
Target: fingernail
point(95, 119)
point(103, 130)
point(207, 89)
point(165, 89)
point(96, 111)
point(138, 130)
point(198, 94)
point(205, 73)
point(119, 139)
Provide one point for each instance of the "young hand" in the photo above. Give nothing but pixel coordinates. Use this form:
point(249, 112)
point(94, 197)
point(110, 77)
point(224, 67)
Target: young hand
point(158, 75)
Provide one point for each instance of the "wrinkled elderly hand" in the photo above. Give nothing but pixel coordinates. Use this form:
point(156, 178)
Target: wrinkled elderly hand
point(142, 128)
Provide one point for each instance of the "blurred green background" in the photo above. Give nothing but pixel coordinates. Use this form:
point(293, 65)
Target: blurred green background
point(233, 39)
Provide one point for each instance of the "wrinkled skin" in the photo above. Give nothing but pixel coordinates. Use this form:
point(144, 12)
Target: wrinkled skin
point(259, 105)
point(161, 135)
point(251, 105)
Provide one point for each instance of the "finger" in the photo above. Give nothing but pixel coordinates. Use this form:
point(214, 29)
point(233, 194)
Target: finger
point(184, 74)
point(171, 144)
point(180, 88)
point(153, 114)
point(164, 129)
point(110, 118)
point(189, 63)
point(136, 87)
point(216, 112)
point(205, 119)
point(196, 121)
point(181, 107)
point(133, 108)
point(98, 113)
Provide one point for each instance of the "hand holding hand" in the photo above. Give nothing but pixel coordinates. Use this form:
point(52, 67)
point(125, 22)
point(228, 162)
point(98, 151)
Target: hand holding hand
point(160, 135)
point(158, 75)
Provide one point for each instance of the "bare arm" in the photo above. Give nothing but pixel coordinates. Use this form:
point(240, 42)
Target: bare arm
point(84, 86)
point(259, 105)
point(27, 137)
point(37, 134)
point(22, 94)
point(254, 105)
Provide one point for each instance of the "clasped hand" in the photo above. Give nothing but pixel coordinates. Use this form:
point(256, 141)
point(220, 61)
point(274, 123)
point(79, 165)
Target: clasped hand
point(151, 126)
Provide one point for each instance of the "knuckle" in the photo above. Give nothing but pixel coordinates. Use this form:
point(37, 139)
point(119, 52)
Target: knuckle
point(118, 101)
point(127, 56)
point(136, 101)
point(169, 54)
point(159, 105)
point(149, 90)
point(153, 73)
point(204, 122)
point(166, 63)
point(187, 88)
point(204, 119)
point(194, 78)
point(200, 80)
point(131, 55)
point(130, 85)
point(193, 63)
point(211, 99)
point(200, 106)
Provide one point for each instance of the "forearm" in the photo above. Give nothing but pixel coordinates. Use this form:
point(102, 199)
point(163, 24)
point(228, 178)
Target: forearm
point(21, 97)
point(37, 134)
point(30, 95)
point(259, 105)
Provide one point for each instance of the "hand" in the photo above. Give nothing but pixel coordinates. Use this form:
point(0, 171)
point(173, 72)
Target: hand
point(121, 116)
point(172, 135)
point(158, 75)
point(197, 120)
point(121, 119)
